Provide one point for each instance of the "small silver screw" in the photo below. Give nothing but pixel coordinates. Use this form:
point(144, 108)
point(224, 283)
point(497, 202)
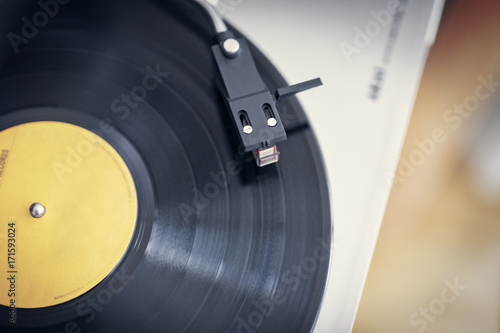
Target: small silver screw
point(248, 129)
point(37, 210)
point(271, 122)
point(231, 46)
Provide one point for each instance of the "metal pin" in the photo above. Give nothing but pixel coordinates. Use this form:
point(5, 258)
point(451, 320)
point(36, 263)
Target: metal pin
point(37, 210)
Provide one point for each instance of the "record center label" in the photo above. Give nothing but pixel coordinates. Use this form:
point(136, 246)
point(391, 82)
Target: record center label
point(90, 212)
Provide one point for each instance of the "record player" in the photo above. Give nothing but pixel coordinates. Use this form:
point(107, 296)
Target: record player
point(158, 174)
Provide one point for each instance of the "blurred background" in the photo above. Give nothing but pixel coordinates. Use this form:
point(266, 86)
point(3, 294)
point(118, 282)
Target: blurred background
point(436, 266)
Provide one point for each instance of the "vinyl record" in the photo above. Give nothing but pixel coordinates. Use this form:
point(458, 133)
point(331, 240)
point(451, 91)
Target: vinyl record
point(126, 203)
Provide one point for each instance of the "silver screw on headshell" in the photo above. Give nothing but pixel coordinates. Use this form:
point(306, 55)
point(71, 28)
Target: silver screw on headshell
point(248, 129)
point(271, 122)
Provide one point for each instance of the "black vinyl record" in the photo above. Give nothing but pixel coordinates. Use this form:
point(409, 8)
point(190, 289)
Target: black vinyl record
point(220, 245)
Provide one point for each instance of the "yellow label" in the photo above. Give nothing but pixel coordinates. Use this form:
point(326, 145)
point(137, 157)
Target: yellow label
point(90, 213)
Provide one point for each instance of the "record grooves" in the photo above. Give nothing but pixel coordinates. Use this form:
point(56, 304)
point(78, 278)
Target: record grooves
point(220, 245)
